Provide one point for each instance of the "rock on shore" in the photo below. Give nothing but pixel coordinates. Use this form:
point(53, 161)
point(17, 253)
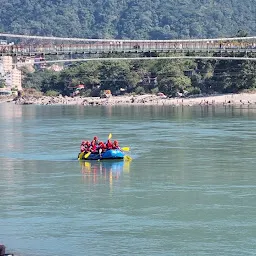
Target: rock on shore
point(148, 99)
point(4, 98)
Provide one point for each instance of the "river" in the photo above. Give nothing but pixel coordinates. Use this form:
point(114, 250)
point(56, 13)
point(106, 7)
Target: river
point(189, 190)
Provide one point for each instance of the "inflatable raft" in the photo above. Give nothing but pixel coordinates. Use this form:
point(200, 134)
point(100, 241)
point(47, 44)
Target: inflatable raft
point(109, 154)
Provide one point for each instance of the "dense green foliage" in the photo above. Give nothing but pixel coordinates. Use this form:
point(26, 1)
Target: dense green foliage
point(148, 76)
point(134, 19)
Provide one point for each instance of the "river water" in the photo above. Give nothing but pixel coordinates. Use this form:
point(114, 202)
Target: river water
point(189, 190)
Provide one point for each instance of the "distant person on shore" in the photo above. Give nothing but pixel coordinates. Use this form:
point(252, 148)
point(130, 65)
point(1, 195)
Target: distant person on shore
point(2, 250)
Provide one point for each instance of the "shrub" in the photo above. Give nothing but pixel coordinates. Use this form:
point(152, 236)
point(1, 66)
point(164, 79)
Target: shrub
point(193, 91)
point(155, 90)
point(31, 92)
point(52, 93)
point(139, 90)
point(86, 93)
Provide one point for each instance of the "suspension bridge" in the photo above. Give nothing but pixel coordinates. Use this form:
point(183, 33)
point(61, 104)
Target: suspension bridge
point(49, 49)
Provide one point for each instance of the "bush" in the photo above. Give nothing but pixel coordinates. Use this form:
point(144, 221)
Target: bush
point(52, 93)
point(140, 90)
point(86, 93)
point(193, 91)
point(31, 92)
point(155, 90)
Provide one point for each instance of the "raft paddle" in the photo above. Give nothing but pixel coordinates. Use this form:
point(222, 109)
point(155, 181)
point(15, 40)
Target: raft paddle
point(86, 155)
point(127, 158)
point(80, 155)
point(100, 151)
point(124, 148)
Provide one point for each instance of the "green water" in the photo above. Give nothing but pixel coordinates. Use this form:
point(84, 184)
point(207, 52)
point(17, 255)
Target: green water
point(190, 189)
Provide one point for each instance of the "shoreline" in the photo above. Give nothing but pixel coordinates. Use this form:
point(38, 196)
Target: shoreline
point(6, 98)
point(147, 99)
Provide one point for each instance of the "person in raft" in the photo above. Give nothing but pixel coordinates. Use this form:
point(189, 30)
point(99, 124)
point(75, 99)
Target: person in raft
point(85, 146)
point(109, 144)
point(102, 147)
point(116, 145)
point(96, 146)
point(82, 146)
point(93, 147)
point(96, 140)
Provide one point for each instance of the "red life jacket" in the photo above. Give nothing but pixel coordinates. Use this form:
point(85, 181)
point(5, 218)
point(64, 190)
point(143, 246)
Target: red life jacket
point(109, 145)
point(93, 148)
point(102, 146)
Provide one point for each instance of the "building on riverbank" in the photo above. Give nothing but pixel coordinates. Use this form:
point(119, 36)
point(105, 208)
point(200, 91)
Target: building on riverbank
point(10, 74)
point(7, 64)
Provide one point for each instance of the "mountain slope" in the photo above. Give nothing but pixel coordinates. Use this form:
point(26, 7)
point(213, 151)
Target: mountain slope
point(135, 19)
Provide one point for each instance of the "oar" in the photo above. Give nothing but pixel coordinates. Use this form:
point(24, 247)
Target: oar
point(80, 155)
point(87, 154)
point(100, 151)
point(124, 148)
point(127, 158)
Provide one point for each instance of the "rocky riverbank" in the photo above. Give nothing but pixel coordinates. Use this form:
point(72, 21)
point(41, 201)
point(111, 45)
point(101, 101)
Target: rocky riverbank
point(8, 98)
point(148, 99)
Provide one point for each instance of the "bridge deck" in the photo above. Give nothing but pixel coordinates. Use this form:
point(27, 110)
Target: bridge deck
point(41, 45)
point(128, 47)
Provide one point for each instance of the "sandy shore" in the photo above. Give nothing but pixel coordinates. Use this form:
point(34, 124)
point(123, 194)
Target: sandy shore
point(148, 99)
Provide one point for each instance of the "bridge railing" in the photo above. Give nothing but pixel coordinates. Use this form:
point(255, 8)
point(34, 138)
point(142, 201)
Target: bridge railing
point(105, 49)
point(107, 46)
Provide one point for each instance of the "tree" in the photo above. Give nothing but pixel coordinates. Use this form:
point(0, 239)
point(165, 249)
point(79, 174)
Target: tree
point(170, 76)
point(2, 82)
point(241, 33)
point(116, 75)
point(145, 19)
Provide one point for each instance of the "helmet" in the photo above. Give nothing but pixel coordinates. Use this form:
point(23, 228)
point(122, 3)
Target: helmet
point(87, 142)
point(101, 142)
point(115, 142)
point(83, 142)
point(95, 138)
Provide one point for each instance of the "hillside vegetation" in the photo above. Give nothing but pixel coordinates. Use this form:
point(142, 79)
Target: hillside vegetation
point(171, 77)
point(134, 19)
point(137, 19)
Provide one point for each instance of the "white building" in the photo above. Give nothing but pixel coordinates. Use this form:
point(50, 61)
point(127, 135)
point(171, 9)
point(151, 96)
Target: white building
point(7, 63)
point(1, 69)
point(25, 62)
point(16, 79)
point(10, 73)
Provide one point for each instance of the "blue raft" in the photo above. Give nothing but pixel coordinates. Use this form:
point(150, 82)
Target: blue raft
point(109, 154)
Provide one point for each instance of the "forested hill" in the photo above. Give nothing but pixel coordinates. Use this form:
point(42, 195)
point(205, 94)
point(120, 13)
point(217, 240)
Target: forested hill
point(134, 19)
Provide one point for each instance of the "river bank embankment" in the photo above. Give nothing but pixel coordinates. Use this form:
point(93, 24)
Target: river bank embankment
point(8, 98)
point(147, 99)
